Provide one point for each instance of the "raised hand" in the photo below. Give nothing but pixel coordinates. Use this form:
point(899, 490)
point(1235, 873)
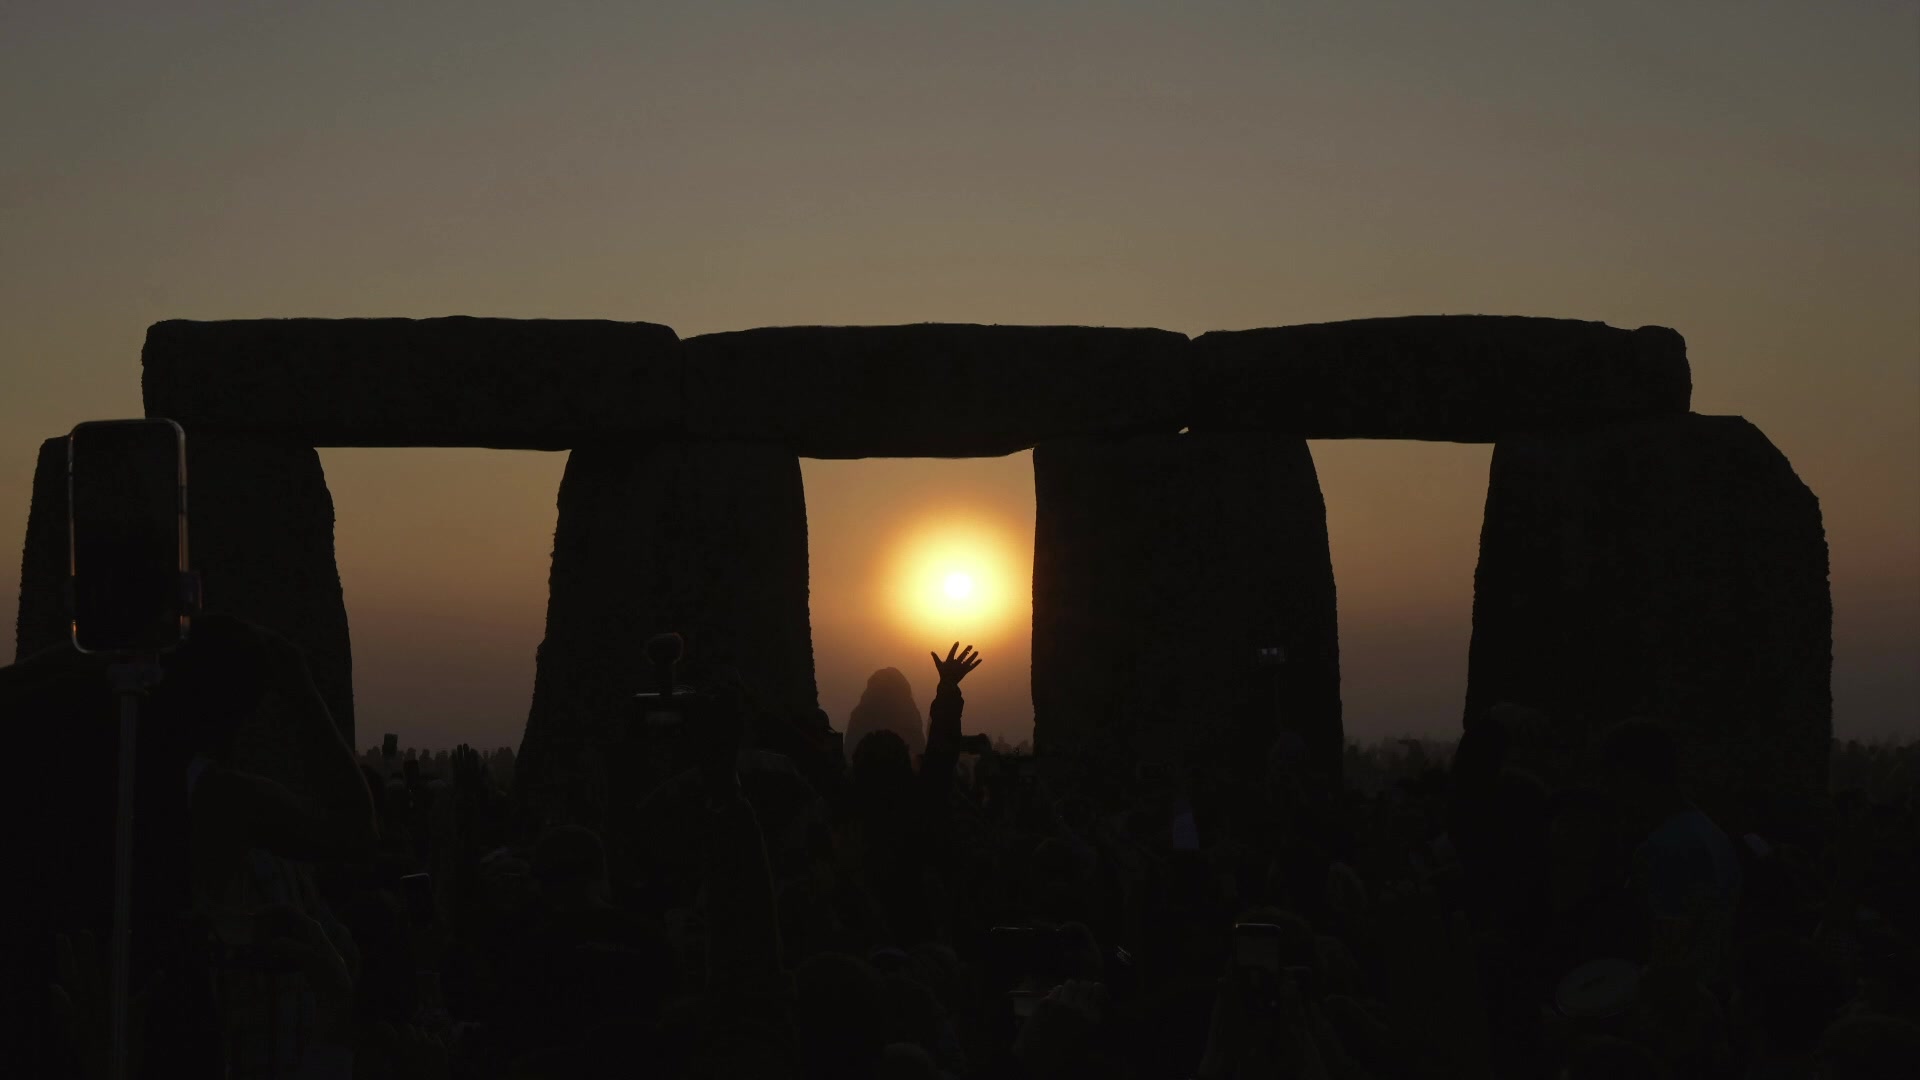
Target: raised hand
point(957, 664)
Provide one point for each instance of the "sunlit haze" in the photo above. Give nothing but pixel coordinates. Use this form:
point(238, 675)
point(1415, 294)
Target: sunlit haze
point(1746, 173)
point(937, 552)
point(962, 573)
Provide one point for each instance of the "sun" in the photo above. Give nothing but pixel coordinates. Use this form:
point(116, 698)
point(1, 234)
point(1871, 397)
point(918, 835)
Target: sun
point(956, 576)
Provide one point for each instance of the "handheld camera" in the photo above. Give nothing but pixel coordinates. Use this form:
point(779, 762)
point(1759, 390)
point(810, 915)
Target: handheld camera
point(668, 706)
point(131, 593)
point(1259, 956)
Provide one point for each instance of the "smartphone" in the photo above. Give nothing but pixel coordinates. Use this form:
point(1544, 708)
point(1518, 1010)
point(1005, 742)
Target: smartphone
point(417, 890)
point(1186, 831)
point(667, 707)
point(1018, 953)
point(127, 536)
point(1012, 946)
point(1256, 947)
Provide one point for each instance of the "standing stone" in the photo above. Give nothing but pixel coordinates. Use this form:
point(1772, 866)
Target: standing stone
point(1673, 568)
point(43, 620)
point(260, 533)
point(705, 539)
point(1162, 563)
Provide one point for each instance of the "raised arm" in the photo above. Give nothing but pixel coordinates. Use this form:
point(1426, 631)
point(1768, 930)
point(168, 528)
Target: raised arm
point(943, 716)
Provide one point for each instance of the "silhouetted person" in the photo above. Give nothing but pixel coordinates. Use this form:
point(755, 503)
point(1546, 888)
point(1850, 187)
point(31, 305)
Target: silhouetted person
point(1595, 915)
point(202, 824)
point(902, 815)
point(1685, 869)
point(1498, 820)
point(840, 1017)
point(887, 705)
point(577, 961)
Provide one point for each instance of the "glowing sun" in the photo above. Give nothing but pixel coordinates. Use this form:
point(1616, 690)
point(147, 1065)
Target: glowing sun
point(956, 577)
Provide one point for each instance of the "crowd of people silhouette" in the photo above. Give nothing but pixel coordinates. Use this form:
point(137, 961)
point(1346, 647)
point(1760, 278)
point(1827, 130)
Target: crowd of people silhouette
point(910, 902)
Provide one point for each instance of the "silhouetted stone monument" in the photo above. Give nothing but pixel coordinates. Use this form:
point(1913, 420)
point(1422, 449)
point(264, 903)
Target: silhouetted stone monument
point(1673, 568)
point(43, 619)
point(1458, 378)
point(261, 521)
point(1162, 564)
point(1635, 557)
point(706, 539)
point(260, 533)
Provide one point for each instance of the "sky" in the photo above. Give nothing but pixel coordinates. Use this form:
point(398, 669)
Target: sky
point(1748, 173)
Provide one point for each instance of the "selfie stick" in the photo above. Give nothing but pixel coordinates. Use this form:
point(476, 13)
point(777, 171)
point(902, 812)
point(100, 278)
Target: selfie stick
point(133, 669)
point(131, 678)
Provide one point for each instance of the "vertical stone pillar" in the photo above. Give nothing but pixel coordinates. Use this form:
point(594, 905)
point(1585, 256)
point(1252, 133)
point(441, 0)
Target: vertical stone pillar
point(1162, 563)
point(1673, 568)
point(43, 618)
point(706, 539)
point(259, 531)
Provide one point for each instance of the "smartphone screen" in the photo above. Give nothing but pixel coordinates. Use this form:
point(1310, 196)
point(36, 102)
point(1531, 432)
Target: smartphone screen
point(1186, 831)
point(127, 535)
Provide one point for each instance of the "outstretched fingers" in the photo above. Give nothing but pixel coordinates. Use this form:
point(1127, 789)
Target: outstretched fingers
point(957, 664)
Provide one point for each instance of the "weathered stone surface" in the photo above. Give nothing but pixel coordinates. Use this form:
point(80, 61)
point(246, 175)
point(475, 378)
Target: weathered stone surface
point(43, 619)
point(1458, 378)
point(260, 532)
point(1674, 568)
point(1161, 564)
point(933, 389)
point(706, 539)
point(508, 383)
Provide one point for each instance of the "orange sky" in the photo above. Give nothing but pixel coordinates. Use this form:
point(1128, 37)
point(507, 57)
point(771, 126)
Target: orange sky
point(1747, 173)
